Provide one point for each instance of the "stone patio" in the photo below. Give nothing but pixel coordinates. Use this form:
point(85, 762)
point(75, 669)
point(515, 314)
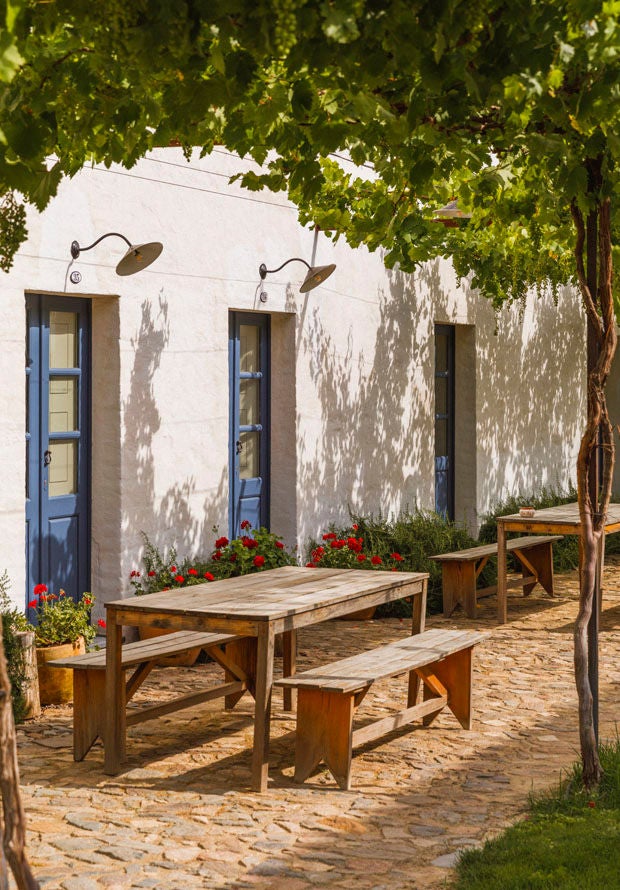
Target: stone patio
point(182, 816)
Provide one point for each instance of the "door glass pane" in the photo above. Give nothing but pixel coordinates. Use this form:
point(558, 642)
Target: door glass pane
point(62, 470)
point(441, 438)
point(249, 348)
point(441, 352)
point(441, 395)
point(63, 340)
point(63, 404)
point(249, 466)
point(249, 402)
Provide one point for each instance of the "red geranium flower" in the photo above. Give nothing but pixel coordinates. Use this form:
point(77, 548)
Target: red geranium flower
point(173, 569)
point(134, 574)
point(259, 561)
point(32, 604)
point(355, 526)
point(337, 544)
point(361, 557)
point(101, 622)
point(152, 574)
point(246, 524)
point(87, 601)
point(209, 576)
point(397, 557)
point(376, 560)
point(279, 545)
point(330, 536)
point(354, 544)
point(192, 572)
point(179, 579)
point(233, 557)
point(217, 555)
point(39, 589)
point(250, 543)
point(222, 542)
point(310, 565)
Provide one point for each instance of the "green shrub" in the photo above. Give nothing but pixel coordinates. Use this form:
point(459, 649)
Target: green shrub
point(13, 621)
point(413, 536)
point(565, 552)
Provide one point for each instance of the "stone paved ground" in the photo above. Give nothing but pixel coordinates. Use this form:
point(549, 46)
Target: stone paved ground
point(182, 814)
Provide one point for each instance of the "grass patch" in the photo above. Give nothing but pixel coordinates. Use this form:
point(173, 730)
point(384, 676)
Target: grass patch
point(568, 841)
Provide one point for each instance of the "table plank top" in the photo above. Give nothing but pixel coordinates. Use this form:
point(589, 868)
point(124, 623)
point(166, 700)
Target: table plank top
point(276, 593)
point(563, 514)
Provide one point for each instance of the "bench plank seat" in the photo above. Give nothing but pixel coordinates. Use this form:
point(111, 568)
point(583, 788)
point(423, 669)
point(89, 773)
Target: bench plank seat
point(228, 650)
point(328, 696)
point(461, 569)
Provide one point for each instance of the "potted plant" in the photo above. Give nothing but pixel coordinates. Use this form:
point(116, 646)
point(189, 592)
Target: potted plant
point(62, 628)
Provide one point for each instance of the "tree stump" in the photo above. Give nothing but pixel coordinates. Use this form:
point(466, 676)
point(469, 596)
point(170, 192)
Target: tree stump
point(31, 680)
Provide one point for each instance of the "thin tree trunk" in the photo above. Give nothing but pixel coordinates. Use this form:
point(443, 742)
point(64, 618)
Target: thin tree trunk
point(599, 308)
point(14, 833)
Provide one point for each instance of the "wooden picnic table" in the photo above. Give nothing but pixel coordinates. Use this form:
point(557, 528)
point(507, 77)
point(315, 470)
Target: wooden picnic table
point(561, 520)
point(256, 606)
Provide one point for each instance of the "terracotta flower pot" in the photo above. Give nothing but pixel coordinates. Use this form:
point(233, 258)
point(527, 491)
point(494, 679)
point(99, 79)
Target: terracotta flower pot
point(184, 659)
point(56, 684)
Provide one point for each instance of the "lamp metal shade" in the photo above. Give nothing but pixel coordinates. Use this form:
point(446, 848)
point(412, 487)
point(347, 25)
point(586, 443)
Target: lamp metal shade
point(316, 275)
point(138, 257)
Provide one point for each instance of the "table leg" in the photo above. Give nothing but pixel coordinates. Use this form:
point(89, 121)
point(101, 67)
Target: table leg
point(264, 683)
point(417, 627)
point(502, 598)
point(115, 719)
point(289, 643)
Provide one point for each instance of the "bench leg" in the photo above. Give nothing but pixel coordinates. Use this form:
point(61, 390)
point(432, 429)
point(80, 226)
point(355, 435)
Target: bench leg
point(324, 732)
point(88, 710)
point(455, 673)
point(241, 653)
point(459, 586)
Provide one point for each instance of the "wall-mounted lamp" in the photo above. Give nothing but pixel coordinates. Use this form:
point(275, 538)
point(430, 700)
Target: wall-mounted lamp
point(138, 257)
point(316, 274)
point(450, 215)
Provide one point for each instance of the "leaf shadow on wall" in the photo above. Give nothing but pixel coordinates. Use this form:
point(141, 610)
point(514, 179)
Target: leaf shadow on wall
point(171, 517)
point(369, 443)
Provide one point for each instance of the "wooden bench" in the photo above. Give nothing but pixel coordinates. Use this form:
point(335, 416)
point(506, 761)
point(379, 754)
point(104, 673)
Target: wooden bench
point(328, 696)
point(89, 680)
point(460, 571)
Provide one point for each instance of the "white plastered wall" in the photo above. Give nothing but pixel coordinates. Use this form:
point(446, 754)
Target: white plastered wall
point(352, 367)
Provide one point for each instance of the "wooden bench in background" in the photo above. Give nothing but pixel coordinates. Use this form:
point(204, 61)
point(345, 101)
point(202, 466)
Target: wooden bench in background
point(460, 571)
point(328, 696)
point(89, 680)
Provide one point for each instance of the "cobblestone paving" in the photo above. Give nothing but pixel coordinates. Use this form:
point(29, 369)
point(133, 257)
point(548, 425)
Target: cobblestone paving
point(182, 814)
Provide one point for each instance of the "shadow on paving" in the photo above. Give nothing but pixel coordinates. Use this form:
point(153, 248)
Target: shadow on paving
point(418, 795)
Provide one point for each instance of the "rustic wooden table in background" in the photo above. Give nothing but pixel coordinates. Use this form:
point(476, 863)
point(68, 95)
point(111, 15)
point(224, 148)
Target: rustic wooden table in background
point(256, 606)
point(560, 520)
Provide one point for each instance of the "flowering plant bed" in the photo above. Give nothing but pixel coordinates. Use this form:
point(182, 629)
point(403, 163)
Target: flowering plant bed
point(255, 550)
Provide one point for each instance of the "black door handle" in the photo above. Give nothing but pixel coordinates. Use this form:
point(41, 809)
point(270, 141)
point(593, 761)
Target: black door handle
point(47, 458)
point(238, 446)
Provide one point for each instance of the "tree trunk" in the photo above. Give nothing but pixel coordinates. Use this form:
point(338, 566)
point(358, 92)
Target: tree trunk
point(593, 511)
point(13, 840)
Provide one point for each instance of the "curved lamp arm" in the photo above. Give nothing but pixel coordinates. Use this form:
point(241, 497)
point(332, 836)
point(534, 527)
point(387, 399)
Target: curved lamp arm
point(76, 249)
point(263, 270)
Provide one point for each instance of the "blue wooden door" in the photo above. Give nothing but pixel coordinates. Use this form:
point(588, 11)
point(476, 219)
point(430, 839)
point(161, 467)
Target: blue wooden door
point(249, 420)
point(444, 420)
point(58, 444)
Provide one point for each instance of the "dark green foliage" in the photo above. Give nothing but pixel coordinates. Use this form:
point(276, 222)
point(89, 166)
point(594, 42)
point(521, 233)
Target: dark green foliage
point(569, 840)
point(565, 552)
point(415, 535)
point(13, 621)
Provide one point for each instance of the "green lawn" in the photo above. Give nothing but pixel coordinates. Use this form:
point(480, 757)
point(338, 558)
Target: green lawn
point(570, 840)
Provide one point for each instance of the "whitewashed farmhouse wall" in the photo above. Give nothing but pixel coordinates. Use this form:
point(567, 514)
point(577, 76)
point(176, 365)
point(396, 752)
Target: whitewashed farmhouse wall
point(352, 369)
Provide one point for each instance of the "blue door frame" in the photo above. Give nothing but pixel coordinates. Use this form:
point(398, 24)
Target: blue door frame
point(444, 420)
point(58, 445)
point(249, 359)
